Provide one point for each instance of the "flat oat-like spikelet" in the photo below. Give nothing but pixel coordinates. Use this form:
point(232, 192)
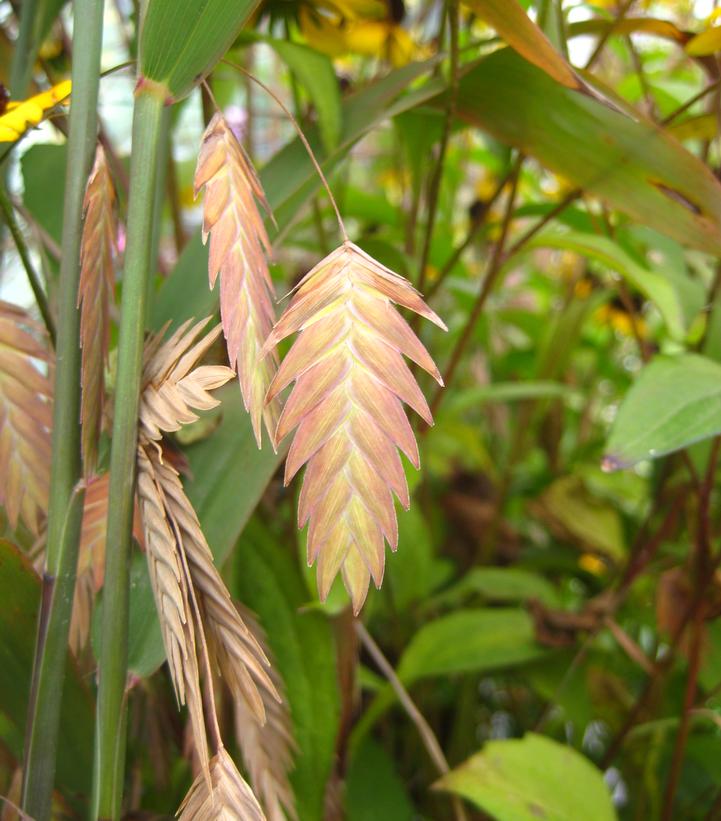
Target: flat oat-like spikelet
point(347, 404)
point(171, 588)
point(267, 749)
point(91, 555)
point(95, 295)
point(172, 386)
point(242, 662)
point(25, 418)
point(238, 252)
point(231, 799)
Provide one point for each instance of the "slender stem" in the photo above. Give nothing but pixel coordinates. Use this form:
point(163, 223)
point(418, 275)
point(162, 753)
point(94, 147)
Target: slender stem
point(25, 50)
point(623, 11)
point(494, 267)
point(436, 179)
point(109, 764)
point(702, 560)
point(685, 106)
point(302, 137)
point(24, 253)
point(430, 742)
point(64, 511)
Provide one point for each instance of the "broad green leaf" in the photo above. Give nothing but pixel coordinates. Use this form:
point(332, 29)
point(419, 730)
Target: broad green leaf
point(675, 402)
point(317, 75)
point(531, 778)
point(652, 284)
point(575, 511)
point(634, 166)
point(499, 584)
point(414, 571)
point(19, 605)
point(265, 576)
point(181, 40)
point(470, 641)
point(145, 642)
point(512, 23)
point(289, 180)
point(229, 474)
point(374, 791)
point(39, 164)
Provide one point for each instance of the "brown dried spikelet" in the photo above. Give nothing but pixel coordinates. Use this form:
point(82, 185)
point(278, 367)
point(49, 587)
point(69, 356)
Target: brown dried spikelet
point(241, 660)
point(173, 388)
point(230, 798)
point(171, 587)
point(91, 555)
point(25, 418)
point(95, 296)
point(239, 247)
point(267, 749)
point(350, 382)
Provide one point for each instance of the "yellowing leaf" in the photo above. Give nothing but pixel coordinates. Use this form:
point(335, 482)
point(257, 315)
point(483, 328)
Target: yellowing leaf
point(707, 42)
point(22, 115)
point(512, 23)
point(370, 38)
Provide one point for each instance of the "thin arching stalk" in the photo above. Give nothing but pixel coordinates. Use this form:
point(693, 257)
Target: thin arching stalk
point(36, 284)
point(65, 505)
point(435, 184)
point(110, 725)
point(303, 139)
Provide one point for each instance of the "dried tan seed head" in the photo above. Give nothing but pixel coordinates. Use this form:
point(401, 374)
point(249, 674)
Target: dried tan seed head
point(267, 749)
point(171, 587)
point(25, 418)
point(95, 296)
point(173, 387)
point(347, 404)
point(229, 799)
point(241, 660)
point(238, 252)
point(91, 555)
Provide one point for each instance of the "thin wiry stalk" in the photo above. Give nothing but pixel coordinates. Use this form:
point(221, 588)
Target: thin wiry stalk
point(33, 278)
point(26, 49)
point(435, 186)
point(302, 138)
point(430, 742)
point(109, 763)
point(64, 511)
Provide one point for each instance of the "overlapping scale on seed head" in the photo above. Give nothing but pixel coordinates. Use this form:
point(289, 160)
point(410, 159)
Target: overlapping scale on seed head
point(239, 247)
point(351, 382)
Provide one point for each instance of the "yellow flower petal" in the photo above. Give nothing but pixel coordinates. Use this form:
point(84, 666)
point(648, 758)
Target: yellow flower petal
point(20, 116)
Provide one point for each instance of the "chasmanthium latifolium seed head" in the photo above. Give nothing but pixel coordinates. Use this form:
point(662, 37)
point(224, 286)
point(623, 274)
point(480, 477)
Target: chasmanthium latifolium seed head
point(347, 408)
point(238, 252)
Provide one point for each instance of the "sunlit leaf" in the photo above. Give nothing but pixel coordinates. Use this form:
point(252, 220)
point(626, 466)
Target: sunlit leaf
point(635, 167)
point(521, 33)
point(530, 778)
point(675, 402)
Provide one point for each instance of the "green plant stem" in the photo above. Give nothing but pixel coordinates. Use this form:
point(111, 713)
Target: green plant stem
point(24, 253)
point(25, 50)
point(435, 185)
point(65, 503)
point(109, 742)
